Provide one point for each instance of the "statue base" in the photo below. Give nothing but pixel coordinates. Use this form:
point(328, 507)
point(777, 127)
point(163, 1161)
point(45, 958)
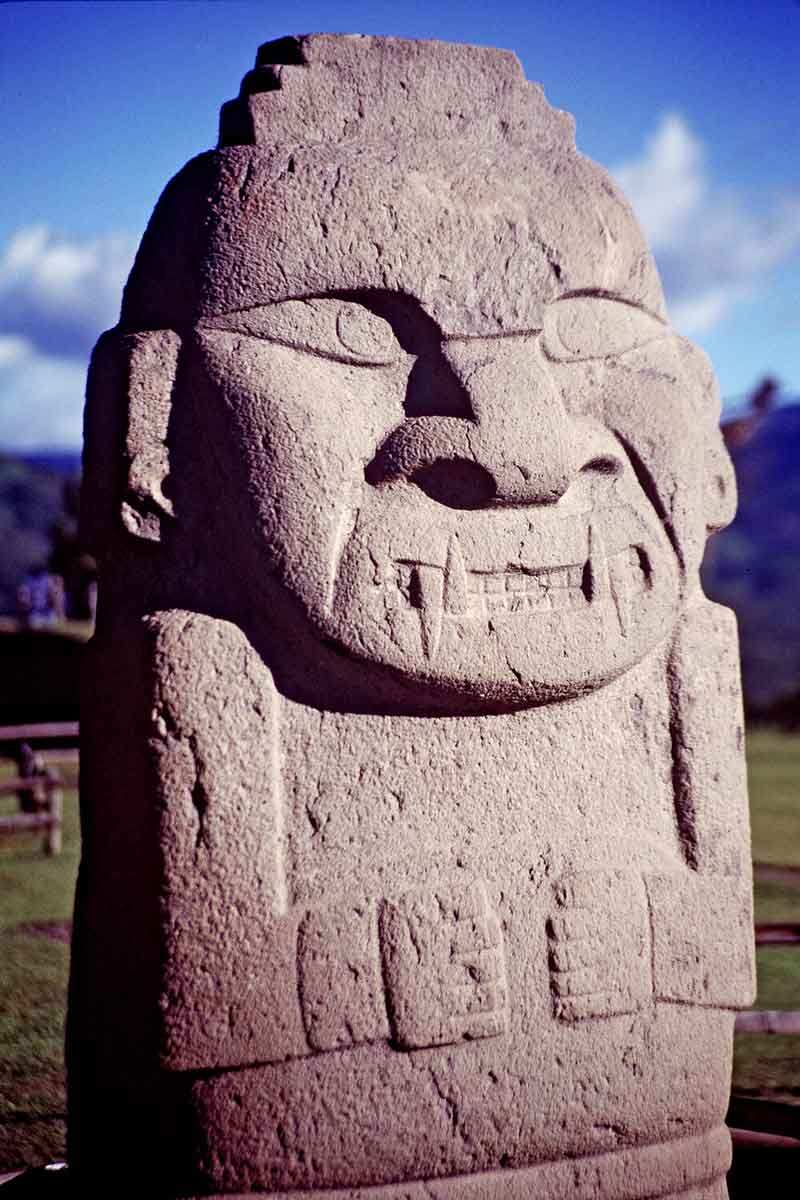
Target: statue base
point(684, 1169)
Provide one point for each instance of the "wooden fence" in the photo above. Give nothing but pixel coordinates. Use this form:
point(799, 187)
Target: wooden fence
point(46, 794)
point(38, 786)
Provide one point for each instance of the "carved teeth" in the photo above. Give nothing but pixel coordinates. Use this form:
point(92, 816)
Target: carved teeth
point(599, 586)
point(454, 592)
point(620, 591)
point(455, 580)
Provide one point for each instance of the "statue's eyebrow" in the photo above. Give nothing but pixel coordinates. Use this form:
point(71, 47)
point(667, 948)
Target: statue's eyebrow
point(588, 293)
point(237, 315)
point(592, 293)
point(316, 331)
point(532, 331)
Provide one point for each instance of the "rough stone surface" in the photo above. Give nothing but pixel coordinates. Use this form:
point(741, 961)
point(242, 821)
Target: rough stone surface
point(415, 832)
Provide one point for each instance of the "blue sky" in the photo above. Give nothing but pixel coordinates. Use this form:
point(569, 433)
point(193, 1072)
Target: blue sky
point(695, 106)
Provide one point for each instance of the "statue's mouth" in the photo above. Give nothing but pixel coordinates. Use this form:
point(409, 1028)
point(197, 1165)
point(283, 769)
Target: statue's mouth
point(460, 592)
point(544, 598)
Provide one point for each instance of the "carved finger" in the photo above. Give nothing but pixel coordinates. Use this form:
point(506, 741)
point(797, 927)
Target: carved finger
point(468, 936)
point(590, 889)
point(595, 1004)
point(577, 925)
point(484, 997)
point(569, 955)
point(481, 966)
point(582, 982)
point(485, 1024)
point(494, 931)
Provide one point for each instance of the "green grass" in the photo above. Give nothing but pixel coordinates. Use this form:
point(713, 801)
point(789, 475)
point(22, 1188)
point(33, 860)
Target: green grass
point(776, 902)
point(32, 1002)
point(774, 778)
point(774, 781)
point(767, 1065)
point(778, 977)
point(33, 982)
point(33, 969)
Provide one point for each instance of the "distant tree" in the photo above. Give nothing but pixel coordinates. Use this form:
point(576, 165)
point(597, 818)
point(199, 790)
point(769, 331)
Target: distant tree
point(68, 557)
point(30, 502)
point(39, 528)
point(753, 566)
point(764, 395)
point(761, 401)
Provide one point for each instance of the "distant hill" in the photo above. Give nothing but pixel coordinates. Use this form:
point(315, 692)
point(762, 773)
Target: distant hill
point(754, 565)
point(31, 505)
point(66, 463)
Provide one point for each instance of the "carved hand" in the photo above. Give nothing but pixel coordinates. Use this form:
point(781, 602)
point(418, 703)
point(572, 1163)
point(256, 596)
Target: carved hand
point(599, 945)
point(444, 967)
point(703, 938)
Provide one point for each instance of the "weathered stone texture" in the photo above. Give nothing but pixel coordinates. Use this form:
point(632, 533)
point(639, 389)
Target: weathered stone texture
point(415, 830)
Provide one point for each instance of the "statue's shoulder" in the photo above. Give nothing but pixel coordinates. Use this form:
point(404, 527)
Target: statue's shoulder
point(205, 670)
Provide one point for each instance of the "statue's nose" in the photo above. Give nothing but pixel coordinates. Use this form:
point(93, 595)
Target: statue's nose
point(519, 445)
point(522, 436)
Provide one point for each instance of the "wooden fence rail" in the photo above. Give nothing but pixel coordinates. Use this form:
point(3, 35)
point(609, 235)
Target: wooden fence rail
point(768, 1021)
point(52, 730)
point(48, 818)
point(38, 786)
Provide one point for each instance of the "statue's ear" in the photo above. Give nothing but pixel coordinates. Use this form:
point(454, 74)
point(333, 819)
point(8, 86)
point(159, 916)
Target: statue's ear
point(720, 482)
point(719, 479)
point(152, 367)
point(125, 457)
point(718, 497)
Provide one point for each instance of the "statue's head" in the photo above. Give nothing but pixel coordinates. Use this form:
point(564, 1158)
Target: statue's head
point(404, 355)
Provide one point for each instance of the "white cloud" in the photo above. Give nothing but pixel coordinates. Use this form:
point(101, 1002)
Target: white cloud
point(56, 296)
point(13, 349)
point(41, 401)
point(667, 183)
point(60, 293)
point(712, 251)
point(698, 314)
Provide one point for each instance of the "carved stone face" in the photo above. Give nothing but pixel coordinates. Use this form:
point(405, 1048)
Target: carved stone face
point(453, 424)
point(509, 515)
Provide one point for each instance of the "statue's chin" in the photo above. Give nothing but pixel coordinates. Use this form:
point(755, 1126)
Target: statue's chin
point(507, 635)
point(518, 659)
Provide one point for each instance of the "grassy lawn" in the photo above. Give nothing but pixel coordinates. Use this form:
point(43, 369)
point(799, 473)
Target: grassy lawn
point(776, 902)
point(774, 773)
point(33, 966)
point(767, 1065)
point(33, 981)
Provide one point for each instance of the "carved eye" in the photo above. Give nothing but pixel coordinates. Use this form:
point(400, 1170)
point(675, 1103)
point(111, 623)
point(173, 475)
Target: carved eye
point(585, 327)
point(338, 329)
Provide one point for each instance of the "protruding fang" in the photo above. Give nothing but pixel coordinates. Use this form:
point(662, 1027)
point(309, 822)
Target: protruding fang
point(644, 565)
point(598, 566)
point(427, 589)
point(455, 580)
point(621, 592)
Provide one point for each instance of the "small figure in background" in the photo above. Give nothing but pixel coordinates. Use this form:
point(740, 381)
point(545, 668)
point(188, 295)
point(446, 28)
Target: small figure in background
point(30, 765)
point(40, 598)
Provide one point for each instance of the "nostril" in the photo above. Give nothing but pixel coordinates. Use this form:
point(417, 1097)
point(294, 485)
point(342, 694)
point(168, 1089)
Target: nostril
point(456, 483)
point(604, 464)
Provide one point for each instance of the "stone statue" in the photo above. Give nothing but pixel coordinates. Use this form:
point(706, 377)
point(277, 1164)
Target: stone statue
point(415, 830)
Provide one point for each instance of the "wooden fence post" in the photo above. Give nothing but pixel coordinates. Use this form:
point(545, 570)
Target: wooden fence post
point(55, 807)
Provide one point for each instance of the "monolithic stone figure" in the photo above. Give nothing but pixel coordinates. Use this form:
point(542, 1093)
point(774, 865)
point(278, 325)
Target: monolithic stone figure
point(416, 851)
